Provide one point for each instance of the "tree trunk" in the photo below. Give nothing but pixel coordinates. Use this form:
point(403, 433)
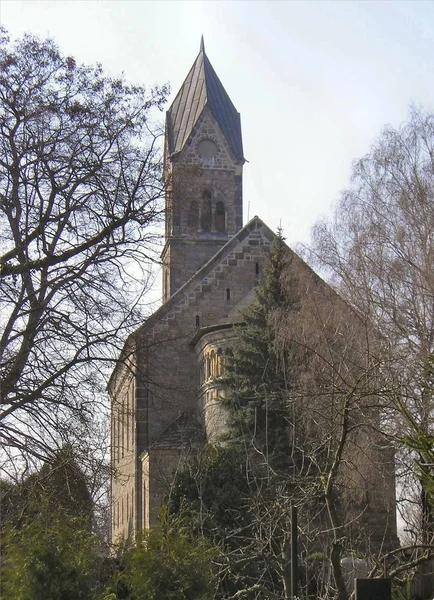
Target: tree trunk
point(335, 559)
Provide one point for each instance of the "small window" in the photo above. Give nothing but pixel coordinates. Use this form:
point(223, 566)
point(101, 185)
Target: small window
point(257, 268)
point(206, 215)
point(220, 362)
point(193, 217)
point(212, 364)
point(228, 294)
point(220, 217)
point(197, 321)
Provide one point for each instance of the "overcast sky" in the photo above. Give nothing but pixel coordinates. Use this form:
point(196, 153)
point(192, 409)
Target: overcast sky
point(315, 82)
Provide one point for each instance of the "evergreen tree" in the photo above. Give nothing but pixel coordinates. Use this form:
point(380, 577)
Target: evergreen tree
point(235, 495)
point(257, 377)
point(215, 496)
point(47, 541)
point(166, 562)
point(59, 483)
point(51, 556)
point(63, 483)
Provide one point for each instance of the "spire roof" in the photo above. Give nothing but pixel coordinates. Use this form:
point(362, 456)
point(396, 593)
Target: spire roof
point(203, 88)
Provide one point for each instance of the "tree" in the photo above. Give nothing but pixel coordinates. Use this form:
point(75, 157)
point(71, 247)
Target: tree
point(303, 426)
point(346, 464)
point(257, 379)
point(61, 483)
point(52, 555)
point(49, 545)
point(379, 253)
point(166, 562)
point(212, 495)
point(79, 188)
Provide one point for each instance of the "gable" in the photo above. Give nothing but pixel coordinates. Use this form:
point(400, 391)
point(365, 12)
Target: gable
point(253, 241)
point(203, 300)
point(207, 128)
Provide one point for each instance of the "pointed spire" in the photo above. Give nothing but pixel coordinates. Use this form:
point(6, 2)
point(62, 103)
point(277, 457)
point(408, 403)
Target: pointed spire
point(202, 88)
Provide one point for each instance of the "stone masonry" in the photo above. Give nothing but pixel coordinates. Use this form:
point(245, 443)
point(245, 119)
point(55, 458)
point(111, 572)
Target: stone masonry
point(165, 390)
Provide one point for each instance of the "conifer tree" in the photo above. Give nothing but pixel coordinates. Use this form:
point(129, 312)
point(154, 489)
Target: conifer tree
point(258, 379)
point(236, 495)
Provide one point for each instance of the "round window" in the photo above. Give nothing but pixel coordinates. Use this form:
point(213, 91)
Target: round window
point(207, 148)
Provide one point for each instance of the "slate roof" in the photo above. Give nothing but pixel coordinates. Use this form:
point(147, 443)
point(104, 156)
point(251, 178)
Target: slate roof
point(184, 432)
point(202, 88)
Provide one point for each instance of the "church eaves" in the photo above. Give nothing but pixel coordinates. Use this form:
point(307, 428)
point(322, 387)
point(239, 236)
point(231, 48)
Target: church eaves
point(203, 88)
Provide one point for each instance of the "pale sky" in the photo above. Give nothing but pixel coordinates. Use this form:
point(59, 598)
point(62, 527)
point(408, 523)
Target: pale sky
point(315, 82)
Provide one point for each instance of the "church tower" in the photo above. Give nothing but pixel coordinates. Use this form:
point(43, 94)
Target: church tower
point(203, 174)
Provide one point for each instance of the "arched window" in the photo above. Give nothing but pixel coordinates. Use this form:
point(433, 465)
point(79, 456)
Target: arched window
point(206, 214)
point(212, 364)
point(220, 217)
point(193, 217)
point(220, 362)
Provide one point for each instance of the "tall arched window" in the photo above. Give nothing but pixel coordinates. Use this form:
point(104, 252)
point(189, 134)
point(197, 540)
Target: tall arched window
point(206, 215)
point(193, 217)
point(220, 217)
point(212, 360)
point(220, 362)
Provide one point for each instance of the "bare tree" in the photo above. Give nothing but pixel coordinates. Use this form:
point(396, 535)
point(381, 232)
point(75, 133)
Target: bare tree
point(346, 463)
point(306, 358)
point(379, 253)
point(80, 184)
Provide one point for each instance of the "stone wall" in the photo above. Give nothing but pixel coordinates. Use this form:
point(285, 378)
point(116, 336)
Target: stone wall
point(196, 187)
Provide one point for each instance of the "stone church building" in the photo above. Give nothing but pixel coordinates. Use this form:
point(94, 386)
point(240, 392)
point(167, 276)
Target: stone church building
point(165, 389)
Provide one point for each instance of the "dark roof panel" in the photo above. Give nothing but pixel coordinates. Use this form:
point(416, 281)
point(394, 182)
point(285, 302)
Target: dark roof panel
point(184, 432)
point(201, 88)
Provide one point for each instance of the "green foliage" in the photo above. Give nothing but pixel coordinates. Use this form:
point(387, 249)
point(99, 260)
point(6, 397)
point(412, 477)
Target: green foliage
point(236, 495)
point(52, 556)
point(258, 379)
point(48, 546)
point(167, 562)
point(59, 483)
point(215, 495)
point(63, 483)
point(212, 491)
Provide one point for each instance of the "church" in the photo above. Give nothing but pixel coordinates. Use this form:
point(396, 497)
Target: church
point(166, 389)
